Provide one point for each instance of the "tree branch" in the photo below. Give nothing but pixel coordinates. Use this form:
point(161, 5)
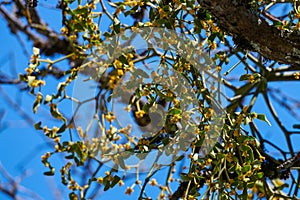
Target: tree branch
point(253, 32)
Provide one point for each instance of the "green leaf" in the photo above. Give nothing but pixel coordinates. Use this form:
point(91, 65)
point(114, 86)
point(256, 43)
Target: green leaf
point(131, 11)
point(238, 168)
point(263, 117)
point(151, 14)
point(212, 37)
point(22, 77)
point(203, 14)
point(180, 158)
point(250, 184)
point(165, 141)
point(107, 34)
point(115, 181)
point(277, 23)
point(246, 168)
point(256, 75)
point(245, 194)
point(247, 120)
point(64, 180)
point(174, 111)
point(106, 184)
point(56, 114)
point(81, 10)
point(73, 196)
point(78, 162)
point(117, 27)
point(70, 156)
point(121, 162)
point(37, 126)
point(37, 102)
point(263, 84)
point(260, 175)
point(185, 177)
point(62, 128)
point(244, 77)
point(49, 173)
point(60, 87)
point(73, 74)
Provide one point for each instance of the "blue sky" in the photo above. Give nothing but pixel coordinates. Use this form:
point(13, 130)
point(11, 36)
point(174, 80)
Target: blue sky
point(21, 146)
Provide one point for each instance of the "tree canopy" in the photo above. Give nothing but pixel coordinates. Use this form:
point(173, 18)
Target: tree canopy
point(164, 96)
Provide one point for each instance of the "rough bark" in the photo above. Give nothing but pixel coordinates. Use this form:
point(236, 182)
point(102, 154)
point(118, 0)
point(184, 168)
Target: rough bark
point(253, 32)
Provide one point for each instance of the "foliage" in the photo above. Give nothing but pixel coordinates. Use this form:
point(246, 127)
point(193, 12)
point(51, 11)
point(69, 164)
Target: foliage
point(238, 165)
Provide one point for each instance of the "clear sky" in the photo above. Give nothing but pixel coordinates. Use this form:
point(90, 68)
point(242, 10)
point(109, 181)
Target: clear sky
point(21, 146)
